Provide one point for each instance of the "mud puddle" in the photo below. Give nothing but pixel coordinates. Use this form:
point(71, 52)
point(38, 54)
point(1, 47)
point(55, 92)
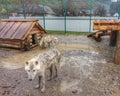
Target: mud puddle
point(15, 58)
point(18, 58)
point(78, 47)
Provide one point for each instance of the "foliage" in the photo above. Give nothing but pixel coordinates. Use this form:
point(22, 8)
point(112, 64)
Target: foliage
point(3, 11)
point(100, 11)
point(115, 8)
point(103, 1)
point(73, 7)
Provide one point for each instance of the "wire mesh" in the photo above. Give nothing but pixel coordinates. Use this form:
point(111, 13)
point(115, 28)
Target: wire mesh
point(62, 15)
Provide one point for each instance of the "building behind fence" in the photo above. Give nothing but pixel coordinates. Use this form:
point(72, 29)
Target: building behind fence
point(62, 15)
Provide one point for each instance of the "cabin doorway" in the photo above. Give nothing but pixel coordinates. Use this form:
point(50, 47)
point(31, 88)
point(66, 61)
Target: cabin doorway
point(34, 40)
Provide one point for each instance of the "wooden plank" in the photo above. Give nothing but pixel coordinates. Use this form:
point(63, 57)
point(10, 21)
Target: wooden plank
point(10, 45)
point(6, 29)
point(2, 25)
point(42, 32)
point(40, 27)
point(13, 30)
point(33, 32)
point(18, 31)
point(19, 20)
point(114, 25)
point(119, 26)
point(9, 41)
point(117, 51)
point(28, 32)
point(106, 25)
point(3, 30)
point(34, 29)
point(23, 30)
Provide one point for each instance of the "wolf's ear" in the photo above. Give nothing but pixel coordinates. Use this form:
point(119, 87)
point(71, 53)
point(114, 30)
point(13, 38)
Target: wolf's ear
point(36, 62)
point(26, 63)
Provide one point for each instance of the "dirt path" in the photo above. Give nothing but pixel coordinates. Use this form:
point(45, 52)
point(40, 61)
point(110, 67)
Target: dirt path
point(87, 69)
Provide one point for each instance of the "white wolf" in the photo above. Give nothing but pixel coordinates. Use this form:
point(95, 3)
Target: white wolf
point(48, 41)
point(38, 66)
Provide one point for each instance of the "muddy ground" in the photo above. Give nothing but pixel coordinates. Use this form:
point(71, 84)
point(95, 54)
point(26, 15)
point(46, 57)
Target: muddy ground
point(87, 69)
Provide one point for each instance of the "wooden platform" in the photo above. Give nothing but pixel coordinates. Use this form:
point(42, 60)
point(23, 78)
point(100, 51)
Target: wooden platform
point(113, 26)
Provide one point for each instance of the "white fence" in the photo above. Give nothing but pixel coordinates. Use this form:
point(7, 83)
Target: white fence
point(77, 24)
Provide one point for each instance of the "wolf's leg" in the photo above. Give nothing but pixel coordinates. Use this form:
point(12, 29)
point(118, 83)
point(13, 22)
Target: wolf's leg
point(56, 72)
point(57, 66)
point(41, 43)
point(49, 45)
point(39, 82)
point(43, 83)
point(51, 73)
point(52, 44)
point(45, 44)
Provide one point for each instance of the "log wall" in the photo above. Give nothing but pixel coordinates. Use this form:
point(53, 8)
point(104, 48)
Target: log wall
point(10, 43)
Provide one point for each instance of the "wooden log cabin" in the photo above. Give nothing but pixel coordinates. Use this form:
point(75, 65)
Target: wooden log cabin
point(22, 34)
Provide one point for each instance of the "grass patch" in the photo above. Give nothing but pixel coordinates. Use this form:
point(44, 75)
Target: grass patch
point(68, 32)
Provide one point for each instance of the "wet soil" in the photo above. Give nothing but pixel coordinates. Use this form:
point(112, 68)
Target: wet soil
point(87, 69)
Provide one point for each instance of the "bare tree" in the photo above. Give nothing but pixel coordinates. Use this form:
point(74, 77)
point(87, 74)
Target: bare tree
point(100, 11)
point(115, 7)
point(59, 9)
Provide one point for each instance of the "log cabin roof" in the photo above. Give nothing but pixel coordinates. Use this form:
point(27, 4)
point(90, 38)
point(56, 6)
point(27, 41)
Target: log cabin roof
point(18, 29)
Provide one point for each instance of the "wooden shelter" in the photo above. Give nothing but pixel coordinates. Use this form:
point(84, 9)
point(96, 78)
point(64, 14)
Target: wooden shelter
point(104, 25)
point(22, 34)
point(113, 26)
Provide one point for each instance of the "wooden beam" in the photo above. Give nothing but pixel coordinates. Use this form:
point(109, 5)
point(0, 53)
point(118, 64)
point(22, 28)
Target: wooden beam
point(19, 20)
point(113, 38)
point(35, 32)
point(117, 51)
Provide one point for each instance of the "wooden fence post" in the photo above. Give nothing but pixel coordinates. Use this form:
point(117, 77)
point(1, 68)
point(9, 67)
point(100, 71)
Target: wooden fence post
point(117, 51)
point(113, 38)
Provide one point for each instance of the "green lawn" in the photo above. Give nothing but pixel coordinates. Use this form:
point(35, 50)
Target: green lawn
point(68, 32)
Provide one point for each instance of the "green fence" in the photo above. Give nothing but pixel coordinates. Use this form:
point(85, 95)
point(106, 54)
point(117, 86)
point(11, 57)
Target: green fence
point(67, 11)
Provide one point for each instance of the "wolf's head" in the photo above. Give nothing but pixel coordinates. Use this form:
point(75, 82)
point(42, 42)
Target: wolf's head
point(55, 39)
point(32, 67)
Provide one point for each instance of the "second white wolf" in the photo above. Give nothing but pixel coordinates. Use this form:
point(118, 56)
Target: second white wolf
point(38, 66)
point(48, 41)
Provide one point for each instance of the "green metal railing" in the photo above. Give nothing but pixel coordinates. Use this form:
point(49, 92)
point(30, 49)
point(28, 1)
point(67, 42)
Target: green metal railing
point(43, 13)
point(65, 15)
point(90, 15)
point(6, 5)
point(24, 12)
point(44, 2)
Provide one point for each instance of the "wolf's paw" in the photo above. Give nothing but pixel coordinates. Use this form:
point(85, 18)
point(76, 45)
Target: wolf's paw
point(49, 79)
point(56, 79)
point(37, 86)
point(43, 90)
